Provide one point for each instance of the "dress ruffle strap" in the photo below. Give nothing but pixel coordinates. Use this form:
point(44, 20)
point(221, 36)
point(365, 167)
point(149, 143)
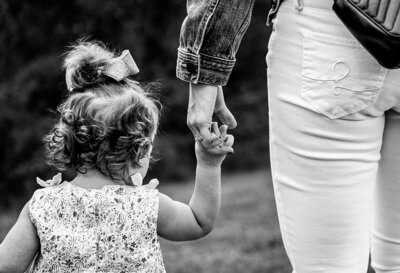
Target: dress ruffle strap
point(56, 180)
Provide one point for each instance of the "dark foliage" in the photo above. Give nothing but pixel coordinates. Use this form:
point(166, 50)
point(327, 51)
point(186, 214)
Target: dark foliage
point(35, 33)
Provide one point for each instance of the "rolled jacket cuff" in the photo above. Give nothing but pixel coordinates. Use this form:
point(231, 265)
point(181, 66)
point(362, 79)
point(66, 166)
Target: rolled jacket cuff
point(203, 68)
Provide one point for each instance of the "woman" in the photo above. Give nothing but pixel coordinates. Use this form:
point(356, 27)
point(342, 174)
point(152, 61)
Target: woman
point(334, 127)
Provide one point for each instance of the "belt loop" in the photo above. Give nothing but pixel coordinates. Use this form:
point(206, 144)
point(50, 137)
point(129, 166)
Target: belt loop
point(299, 5)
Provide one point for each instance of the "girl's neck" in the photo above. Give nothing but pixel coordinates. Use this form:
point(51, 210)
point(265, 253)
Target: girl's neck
point(93, 179)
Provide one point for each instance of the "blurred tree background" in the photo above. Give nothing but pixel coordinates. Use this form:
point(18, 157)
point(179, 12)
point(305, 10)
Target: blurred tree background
point(35, 33)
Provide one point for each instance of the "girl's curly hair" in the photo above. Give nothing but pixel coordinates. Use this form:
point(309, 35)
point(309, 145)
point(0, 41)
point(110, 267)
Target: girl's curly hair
point(104, 124)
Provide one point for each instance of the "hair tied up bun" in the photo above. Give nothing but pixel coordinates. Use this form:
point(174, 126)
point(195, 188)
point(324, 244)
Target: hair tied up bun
point(89, 64)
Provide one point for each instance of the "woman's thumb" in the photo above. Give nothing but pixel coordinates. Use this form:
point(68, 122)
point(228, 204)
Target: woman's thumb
point(223, 112)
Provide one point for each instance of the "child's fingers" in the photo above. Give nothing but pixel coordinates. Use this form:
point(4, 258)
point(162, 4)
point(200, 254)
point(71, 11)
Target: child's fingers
point(218, 142)
point(227, 148)
point(221, 143)
point(229, 141)
point(222, 137)
point(214, 133)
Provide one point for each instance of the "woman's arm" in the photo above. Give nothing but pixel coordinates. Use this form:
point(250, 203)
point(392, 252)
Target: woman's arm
point(210, 37)
point(20, 245)
point(180, 222)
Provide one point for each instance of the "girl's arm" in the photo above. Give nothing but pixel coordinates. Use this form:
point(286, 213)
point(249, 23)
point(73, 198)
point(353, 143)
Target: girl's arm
point(20, 245)
point(178, 221)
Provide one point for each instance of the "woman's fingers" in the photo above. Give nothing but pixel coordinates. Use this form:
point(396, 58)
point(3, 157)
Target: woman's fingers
point(222, 111)
point(205, 136)
point(215, 129)
point(201, 132)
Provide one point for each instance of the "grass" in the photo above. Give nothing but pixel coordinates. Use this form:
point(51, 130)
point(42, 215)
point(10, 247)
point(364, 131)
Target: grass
point(246, 237)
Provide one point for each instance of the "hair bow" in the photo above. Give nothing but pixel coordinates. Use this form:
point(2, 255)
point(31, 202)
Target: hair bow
point(118, 69)
point(121, 67)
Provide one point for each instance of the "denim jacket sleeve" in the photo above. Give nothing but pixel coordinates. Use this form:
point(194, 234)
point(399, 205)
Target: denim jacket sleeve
point(210, 37)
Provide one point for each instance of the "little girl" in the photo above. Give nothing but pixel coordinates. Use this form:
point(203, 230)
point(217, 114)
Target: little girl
point(104, 220)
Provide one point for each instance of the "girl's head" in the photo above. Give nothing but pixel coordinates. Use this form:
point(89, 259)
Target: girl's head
point(108, 121)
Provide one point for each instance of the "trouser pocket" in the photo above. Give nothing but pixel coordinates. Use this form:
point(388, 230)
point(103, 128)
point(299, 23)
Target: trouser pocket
point(339, 77)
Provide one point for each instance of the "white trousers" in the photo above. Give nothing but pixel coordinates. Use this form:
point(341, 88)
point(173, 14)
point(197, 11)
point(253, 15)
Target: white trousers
point(334, 144)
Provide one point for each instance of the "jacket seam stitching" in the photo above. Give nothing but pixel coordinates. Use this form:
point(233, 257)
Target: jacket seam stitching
point(206, 20)
point(242, 29)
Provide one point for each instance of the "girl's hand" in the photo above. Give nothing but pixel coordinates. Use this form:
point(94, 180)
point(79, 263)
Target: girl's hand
point(219, 145)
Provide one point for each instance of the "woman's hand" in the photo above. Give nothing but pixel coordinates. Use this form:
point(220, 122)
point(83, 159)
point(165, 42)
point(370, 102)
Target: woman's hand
point(204, 101)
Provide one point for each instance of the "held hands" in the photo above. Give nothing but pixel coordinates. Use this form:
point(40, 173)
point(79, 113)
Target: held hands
point(204, 101)
point(218, 146)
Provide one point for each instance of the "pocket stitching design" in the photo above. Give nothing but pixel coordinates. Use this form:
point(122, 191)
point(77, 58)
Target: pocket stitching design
point(340, 110)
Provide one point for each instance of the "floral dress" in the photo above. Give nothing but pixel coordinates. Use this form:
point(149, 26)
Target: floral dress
point(108, 230)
